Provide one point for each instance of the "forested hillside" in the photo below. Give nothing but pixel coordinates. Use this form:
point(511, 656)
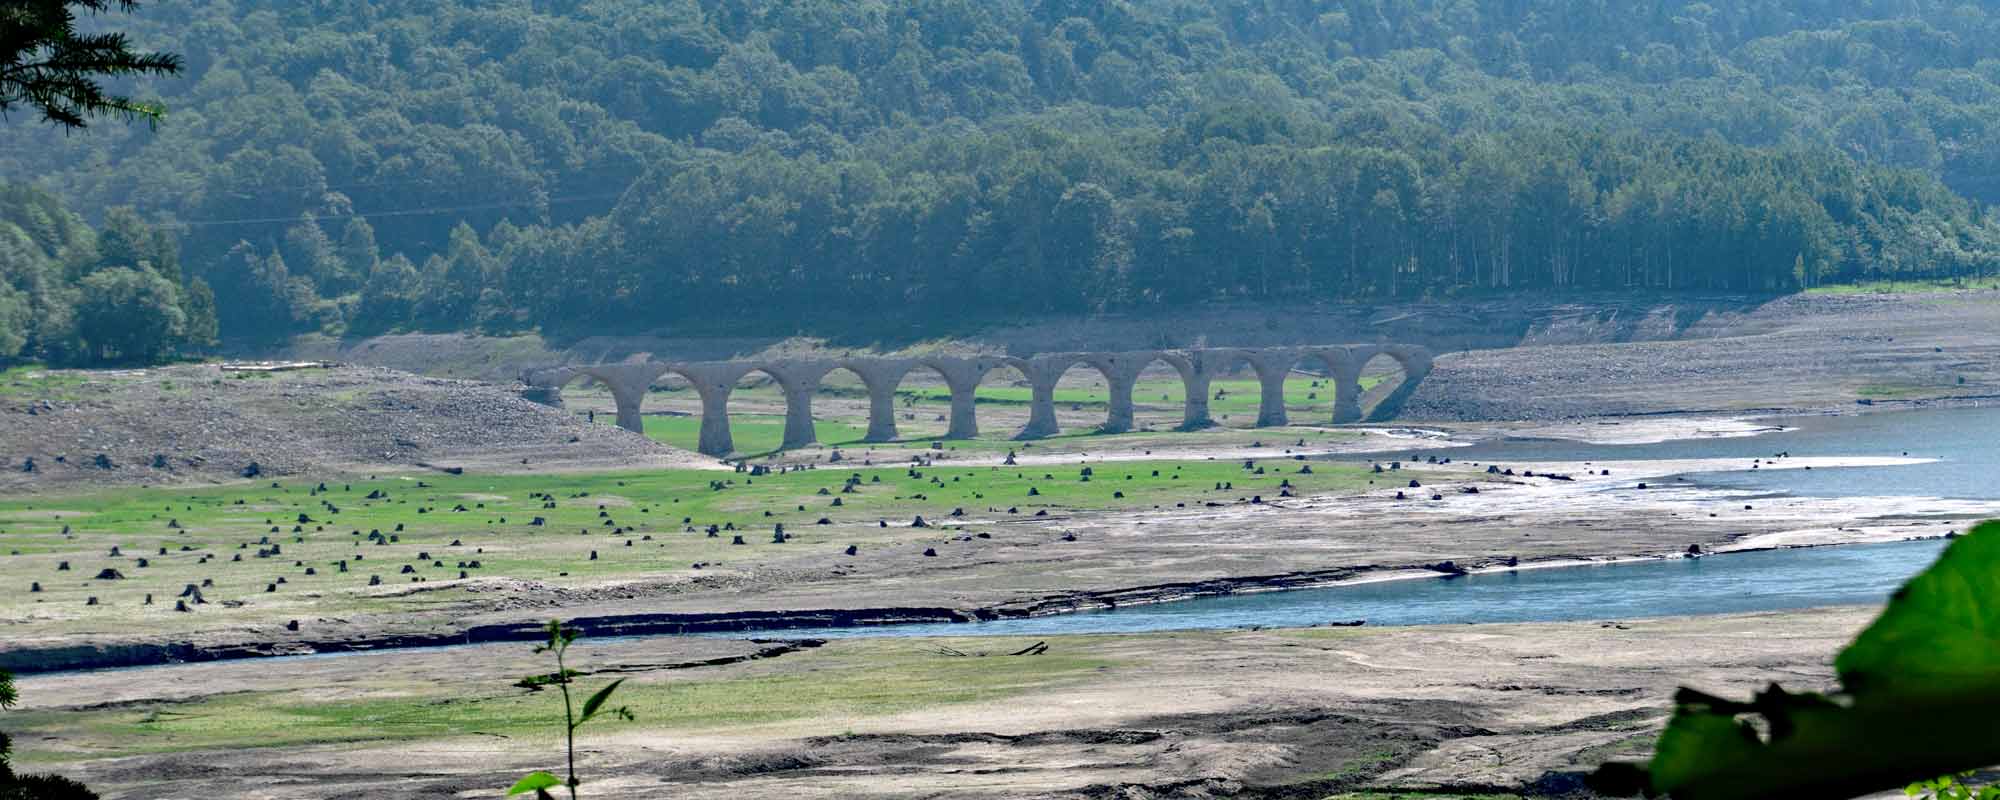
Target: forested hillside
point(599, 165)
point(73, 295)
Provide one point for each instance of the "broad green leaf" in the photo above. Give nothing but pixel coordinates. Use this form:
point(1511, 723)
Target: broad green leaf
point(596, 701)
point(534, 782)
point(1920, 698)
point(1939, 639)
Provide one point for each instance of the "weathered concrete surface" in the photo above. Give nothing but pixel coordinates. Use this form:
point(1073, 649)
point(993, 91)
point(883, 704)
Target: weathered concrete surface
point(714, 381)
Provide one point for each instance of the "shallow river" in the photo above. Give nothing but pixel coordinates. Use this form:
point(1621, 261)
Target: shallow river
point(1759, 581)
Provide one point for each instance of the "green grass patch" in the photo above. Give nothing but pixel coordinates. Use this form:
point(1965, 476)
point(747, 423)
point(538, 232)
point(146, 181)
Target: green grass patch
point(1908, 286)
point(757, 435)
point(843, 679)
point(1898, 391)
point(751, 433)
point(40, 383)
point(452, 519)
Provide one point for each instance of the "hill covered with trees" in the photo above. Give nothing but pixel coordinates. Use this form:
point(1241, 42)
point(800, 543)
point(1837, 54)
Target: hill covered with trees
point(74, 295)
point(599, 165)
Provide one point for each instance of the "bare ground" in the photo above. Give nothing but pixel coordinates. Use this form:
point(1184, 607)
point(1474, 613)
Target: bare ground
point(1794, 354)
point(196, 423)
point(1508, 708)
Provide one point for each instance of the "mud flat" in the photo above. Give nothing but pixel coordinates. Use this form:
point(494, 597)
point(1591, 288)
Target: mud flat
point(1504, 709)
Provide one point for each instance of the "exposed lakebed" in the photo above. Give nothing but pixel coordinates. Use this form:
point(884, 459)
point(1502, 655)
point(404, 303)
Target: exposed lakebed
point(1962, 446)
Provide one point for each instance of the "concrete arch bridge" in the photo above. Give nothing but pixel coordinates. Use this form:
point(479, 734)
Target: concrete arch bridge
point(800, 379)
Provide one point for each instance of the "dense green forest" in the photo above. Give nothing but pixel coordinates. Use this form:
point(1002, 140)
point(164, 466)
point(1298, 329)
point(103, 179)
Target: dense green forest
point(597, 165)
point(73, 295)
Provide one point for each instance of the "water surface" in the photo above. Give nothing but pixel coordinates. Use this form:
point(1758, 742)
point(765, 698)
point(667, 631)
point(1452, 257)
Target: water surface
point(1966, 442)
point(1769, 580)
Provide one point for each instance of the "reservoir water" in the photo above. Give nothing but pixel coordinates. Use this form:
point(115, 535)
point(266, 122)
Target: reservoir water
point(1966, 442)
point(1759, 581)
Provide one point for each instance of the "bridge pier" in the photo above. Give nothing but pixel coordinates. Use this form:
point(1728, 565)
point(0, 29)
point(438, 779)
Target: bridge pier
point(1121, 374)
point(1347, 393)
point(1272, 366)
point(629, 403)
point(800, 382)
point(1042, 373)
point(962, 376)
point(1197, 378)
point(881, 376)
point(714, 382)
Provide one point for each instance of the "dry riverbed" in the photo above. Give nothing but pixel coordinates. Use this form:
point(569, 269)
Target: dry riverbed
point(1487, 710)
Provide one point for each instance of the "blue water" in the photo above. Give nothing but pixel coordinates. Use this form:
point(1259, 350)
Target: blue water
point(1739, 582)
point(1966, 440)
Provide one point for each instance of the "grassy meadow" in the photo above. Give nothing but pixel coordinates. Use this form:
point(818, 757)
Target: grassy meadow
point(844, 679)
point(269, 551)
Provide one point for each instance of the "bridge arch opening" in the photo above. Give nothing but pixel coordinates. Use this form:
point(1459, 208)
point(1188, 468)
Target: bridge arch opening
point(951, 398)
point(1235, 392)
point(1312, 390)
point(843, 394)
point(1159, 395)
point(1079, 397)
point(588, 396)
point(1386, 377)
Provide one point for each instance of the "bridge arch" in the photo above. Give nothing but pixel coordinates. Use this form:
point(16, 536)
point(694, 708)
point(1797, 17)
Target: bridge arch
point(961, 376)
point(1271, 365)
point(713, 382)
point(627, 383)
point(880, 377)
point(1385, 401)
point(800, 380)
point(1194, 407)
point(1334, 363)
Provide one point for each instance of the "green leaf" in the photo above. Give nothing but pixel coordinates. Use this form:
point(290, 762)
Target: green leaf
point(534, 782)
point(1920, 698)
point(1939, 639)
point(596, 701)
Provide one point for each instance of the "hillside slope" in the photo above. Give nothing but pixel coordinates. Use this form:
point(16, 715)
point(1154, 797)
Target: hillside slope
point(565, 165)
point(198, 424)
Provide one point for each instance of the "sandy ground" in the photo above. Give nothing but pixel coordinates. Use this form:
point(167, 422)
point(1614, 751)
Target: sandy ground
point(1244, 713)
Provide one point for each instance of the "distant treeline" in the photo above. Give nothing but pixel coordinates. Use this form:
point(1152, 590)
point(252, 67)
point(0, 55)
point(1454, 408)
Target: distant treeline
point(573, 165)
point(71, 295)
